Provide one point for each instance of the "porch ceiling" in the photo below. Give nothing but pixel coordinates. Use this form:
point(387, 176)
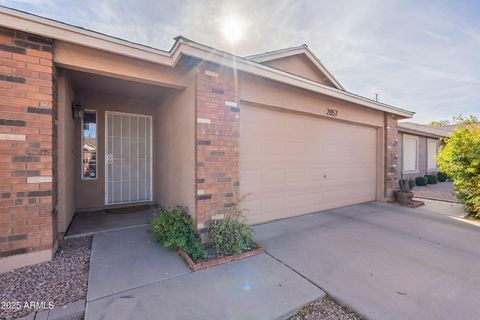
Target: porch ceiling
point(84, 81)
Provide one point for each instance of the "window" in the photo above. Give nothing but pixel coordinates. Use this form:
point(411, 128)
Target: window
point(410, 149)
point(432, 148)
point(89, 145)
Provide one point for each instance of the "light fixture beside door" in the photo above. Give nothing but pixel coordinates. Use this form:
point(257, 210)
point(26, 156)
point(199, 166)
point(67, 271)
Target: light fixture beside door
point(77, 111)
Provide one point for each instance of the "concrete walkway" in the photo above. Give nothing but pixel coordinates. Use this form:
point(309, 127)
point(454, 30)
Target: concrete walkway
point(444, 208)
point(88, 223)
point(449, 209)
point(133, 278)
point(384, 261)
point(129, 258)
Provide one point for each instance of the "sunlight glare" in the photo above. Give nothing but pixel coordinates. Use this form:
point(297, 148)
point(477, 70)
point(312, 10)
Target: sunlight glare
point(232, 29)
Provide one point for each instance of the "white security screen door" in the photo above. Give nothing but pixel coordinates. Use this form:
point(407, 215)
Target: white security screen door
point(128, 158)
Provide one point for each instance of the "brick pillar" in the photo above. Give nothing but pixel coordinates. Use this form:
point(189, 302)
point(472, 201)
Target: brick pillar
point(217, 143)
point(391, 155)
point(27, 142)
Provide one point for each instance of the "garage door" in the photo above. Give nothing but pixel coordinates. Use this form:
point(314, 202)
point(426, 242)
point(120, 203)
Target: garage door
point(294, 164)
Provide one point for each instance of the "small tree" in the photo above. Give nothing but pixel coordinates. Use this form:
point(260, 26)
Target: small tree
point(462, 120)
point(460, 159)
point(458, 119)
point(439, 123)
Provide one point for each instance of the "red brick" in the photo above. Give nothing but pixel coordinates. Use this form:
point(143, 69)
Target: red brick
point(25, 102)
point(220, 171)
point(40, 83)
point(26, 73)
point(25, 58)
point(39, 68)
point(6, 70)
point(19, 212)
point(39, 96)
point(390, 156)
point(27, 88)
point(46, 62)
point(5, 39)
point(6, 85)
point(45, 76)
point(6, 55)
point(12, 63)
point(40, 54)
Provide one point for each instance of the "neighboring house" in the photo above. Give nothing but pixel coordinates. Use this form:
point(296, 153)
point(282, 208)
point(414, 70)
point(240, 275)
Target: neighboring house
point(449, 128)
point(418, 147)
point(91, 121)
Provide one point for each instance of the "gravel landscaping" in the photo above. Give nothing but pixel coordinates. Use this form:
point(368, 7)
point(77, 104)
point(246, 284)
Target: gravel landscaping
point(441, 191)
point(325, 309)
point(60, 281)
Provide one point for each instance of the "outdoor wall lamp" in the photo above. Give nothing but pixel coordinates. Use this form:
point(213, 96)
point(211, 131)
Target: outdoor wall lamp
point(77, 111)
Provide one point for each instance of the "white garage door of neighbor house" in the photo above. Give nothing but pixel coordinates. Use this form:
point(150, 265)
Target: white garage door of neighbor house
point(294, 164)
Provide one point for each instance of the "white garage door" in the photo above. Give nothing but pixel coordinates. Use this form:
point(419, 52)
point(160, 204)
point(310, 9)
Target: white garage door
point(294, 164)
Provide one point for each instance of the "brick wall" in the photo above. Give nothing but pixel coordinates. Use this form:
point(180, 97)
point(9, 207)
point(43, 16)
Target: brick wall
point(391, 155)
point(217, 143)
point(27, 143)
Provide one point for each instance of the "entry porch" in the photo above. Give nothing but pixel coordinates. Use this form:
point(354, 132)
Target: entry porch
point(120, 146)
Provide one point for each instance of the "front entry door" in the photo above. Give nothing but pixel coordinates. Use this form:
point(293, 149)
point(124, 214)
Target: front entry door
point(128, 158)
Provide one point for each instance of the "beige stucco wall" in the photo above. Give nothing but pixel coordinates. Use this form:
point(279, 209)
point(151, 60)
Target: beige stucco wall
point(174, 149)
point(301, 66)
point(86, 59)
point(269, 93)
point(66, 153)
point(91, 193)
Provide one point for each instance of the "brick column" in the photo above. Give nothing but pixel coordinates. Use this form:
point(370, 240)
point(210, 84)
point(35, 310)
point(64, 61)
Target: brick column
point(217, 143)
point(27, 142)
point(391, 154)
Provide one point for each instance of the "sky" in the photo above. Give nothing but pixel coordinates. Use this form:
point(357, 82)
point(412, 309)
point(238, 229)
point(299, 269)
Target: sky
point(422, 56)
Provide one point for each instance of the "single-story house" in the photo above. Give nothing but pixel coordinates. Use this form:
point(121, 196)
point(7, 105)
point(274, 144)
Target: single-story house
point(90, 121)
point(418, 147)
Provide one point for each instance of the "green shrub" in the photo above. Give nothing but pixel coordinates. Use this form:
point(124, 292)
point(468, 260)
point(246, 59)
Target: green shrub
point(442, 176)
point(231, 235)
point(421, 181)
point(173, 228)
point(431, 179)
point(460, 160)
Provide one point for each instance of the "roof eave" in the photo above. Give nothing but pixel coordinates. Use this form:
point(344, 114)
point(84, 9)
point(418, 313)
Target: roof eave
point(34, 24)
point(22, 21)
point(265, 56)
point(246, 65)
point(292, 51)
point(422, 133)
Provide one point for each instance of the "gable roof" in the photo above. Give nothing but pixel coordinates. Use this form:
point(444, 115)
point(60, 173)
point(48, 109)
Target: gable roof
point(53, 29)
point(424, 130)
point(293, 51)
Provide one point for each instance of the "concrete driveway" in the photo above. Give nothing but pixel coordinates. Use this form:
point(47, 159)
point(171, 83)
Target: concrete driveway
point(384, 261)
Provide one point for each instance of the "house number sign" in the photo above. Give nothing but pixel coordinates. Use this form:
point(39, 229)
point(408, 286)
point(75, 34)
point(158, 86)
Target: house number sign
point(332, 112)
